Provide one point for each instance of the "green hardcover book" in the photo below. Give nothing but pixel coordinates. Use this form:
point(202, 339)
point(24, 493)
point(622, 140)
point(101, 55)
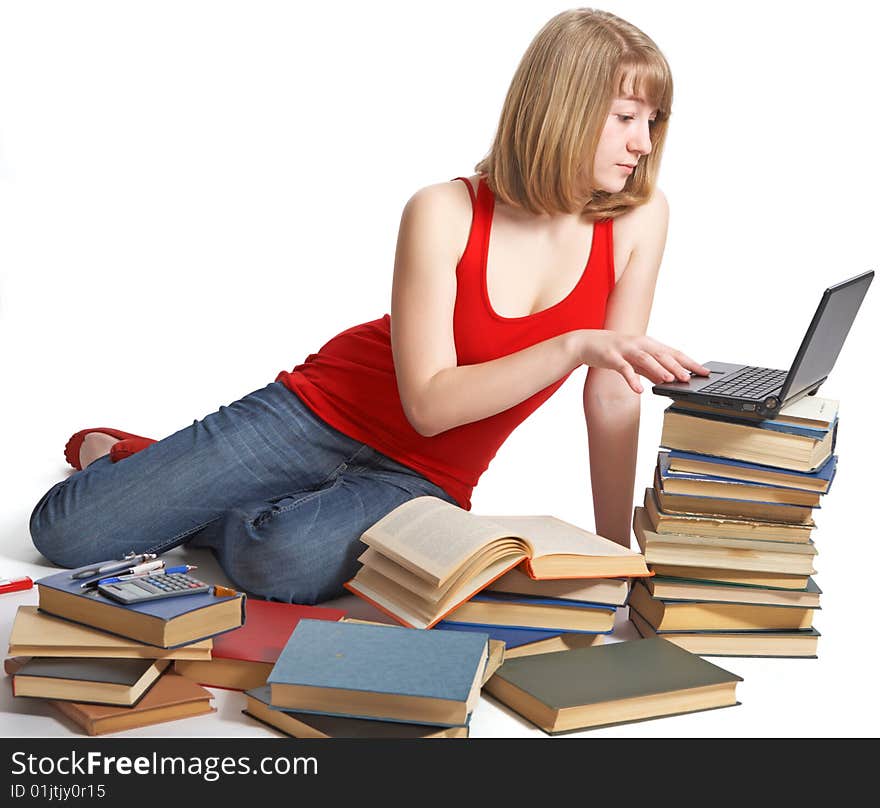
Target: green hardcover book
point(694, 589)
point(586, 688)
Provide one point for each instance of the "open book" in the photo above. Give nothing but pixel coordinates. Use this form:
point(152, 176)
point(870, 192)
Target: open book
point(427, 556)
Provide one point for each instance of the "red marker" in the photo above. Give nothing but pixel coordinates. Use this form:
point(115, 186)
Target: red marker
point(15, 584)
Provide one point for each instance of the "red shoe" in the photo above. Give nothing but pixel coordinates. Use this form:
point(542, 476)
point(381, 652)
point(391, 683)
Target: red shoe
point(71, 449)
point(125, 448)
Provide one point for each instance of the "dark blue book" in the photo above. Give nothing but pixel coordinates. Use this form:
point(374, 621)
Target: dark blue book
point(529, 612)
point(819, 480)
point(390, 673)
point(511, 637)
point(709, 485)
point(167, 623)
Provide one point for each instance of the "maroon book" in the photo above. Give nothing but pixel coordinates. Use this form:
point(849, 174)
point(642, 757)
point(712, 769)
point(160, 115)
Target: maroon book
point(242, 659)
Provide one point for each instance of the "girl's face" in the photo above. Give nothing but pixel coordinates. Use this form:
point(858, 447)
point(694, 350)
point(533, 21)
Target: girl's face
point(625, 139)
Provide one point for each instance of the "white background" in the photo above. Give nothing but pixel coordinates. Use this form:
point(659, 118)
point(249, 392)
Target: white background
point(196, 195)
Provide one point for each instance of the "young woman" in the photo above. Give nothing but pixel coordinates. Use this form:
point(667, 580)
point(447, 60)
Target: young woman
point(504, 283)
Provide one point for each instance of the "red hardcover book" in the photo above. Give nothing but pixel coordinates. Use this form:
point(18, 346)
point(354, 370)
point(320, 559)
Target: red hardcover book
point(242, 659)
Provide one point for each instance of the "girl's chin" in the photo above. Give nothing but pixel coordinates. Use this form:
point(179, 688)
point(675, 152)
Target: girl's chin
point(614, 186)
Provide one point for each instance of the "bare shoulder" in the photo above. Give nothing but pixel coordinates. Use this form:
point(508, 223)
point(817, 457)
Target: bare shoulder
point(441, 213)
point(642, 229)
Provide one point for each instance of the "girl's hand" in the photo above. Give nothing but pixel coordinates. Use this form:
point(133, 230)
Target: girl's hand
point(632, 356)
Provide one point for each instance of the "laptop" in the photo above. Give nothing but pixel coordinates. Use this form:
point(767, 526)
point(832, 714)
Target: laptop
point(762, 392)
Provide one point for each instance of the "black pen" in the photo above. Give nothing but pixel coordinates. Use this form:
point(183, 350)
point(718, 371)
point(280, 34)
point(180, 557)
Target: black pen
point(113, 566)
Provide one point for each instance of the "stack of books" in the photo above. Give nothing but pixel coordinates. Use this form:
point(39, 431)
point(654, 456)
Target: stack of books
point(351, 678)
point(728, 527)
point(537, 583)
point(109, 666)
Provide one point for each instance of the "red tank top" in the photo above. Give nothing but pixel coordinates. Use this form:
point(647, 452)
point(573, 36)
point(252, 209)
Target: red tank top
point(351, 384)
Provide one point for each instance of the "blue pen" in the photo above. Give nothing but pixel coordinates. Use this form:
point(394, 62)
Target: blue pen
point(185, 568)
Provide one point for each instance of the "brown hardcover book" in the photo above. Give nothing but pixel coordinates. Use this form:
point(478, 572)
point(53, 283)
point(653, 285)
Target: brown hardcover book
point(171, 698)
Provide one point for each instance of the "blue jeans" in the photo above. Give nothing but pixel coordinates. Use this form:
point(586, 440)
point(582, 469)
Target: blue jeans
point(278, 495)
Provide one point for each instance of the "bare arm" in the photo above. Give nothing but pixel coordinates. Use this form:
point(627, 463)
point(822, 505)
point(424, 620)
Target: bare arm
point(611, 405)
point(436, 393)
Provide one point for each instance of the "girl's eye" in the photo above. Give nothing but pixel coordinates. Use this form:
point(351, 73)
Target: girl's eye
point(626, 118)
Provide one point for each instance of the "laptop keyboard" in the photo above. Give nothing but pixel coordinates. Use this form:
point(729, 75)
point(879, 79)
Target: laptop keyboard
point(750, 382)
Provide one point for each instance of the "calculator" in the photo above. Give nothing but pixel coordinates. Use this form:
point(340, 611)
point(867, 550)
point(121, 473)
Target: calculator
point(153, 587)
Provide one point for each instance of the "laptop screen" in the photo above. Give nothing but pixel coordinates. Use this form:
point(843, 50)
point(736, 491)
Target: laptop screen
point(826, 334)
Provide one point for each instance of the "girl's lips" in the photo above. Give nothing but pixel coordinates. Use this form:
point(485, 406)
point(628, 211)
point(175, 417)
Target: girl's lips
point(628, 169)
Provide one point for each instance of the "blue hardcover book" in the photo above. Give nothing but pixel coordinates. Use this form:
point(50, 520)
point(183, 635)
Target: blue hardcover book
point(390, 673)
point(818, 480)
point(736, 500)
point(511, 637)
point(526, 611)
point(167, 623)
point(731, 487)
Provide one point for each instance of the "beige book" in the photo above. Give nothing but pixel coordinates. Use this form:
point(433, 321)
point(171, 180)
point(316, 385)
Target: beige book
point(458, 553)
point(813, 411)
point(727, 526)
point(669, 615)
point(746, 577)
point(564, 642)
point(612, 591)
point(41, 635)
point(682, 589)
point(702, 504)
point(800, 643)
point(733, 554)
point(738, 441)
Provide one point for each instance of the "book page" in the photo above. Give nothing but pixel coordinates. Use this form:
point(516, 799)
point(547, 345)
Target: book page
point(432, 538)
point(548, 535)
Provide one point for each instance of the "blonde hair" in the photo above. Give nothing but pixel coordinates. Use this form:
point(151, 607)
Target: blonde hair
point(557, 105)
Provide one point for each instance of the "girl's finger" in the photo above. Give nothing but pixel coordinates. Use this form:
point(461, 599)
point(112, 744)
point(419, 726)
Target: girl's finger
point(648, 366)
point(632, 379)
point(669, 361)
point(692, 364)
